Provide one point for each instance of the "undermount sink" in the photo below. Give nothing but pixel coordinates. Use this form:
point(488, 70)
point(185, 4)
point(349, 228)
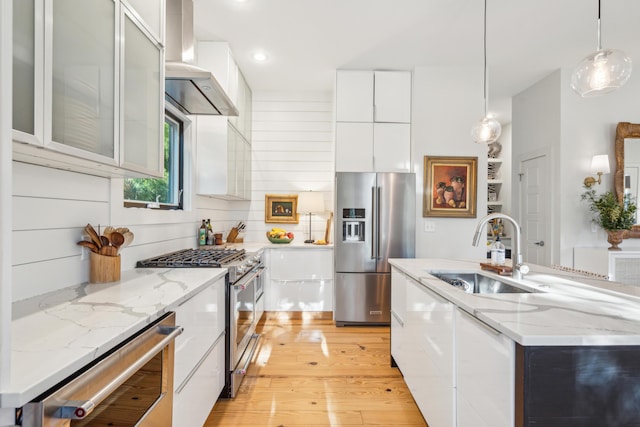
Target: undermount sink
point(476, 283)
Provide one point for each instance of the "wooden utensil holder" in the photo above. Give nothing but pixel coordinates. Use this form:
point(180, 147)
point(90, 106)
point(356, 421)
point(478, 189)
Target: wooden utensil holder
point(103, 269)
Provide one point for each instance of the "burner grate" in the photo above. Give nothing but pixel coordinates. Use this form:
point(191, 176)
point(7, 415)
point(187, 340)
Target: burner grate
point(194, 258)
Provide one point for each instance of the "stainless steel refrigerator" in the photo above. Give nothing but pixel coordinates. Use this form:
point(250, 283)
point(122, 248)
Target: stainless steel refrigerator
point(375, 221)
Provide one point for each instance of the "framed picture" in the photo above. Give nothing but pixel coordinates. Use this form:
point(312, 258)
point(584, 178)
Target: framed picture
point(281, 208)
point(450, 186)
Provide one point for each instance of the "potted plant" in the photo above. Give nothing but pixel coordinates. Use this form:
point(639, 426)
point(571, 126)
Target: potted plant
point(614, 216)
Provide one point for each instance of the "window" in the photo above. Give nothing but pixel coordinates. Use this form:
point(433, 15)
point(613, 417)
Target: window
point(166, 191)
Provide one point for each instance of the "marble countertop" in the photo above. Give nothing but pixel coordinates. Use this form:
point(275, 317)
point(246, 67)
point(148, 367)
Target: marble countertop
point(254, 247)
point(55, 334)
point(567, 309)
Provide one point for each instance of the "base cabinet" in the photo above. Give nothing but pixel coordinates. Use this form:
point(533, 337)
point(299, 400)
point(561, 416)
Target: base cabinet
point(422, 346)
point(199, 372)
point(299, 280)
point(485, 374)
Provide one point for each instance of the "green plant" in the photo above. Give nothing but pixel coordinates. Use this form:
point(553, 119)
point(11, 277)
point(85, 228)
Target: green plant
point(609, 213)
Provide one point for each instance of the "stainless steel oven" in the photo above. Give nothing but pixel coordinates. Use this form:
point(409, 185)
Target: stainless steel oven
point(245, 305)
point(130, 386)
point(244, 296)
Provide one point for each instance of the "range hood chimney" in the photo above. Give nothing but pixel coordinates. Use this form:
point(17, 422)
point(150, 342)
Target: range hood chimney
point(193, 90)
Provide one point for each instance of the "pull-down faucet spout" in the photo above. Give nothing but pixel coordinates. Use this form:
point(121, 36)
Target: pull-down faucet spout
point(519, 269)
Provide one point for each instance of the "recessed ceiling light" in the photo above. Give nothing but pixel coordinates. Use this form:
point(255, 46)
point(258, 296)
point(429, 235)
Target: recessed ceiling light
point(260, 56)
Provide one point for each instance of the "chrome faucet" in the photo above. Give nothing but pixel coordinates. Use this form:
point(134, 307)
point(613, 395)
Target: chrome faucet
point(519, 269)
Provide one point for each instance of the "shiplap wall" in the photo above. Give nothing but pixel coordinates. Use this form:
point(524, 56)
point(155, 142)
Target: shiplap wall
point(292, 151)
point(51, 208)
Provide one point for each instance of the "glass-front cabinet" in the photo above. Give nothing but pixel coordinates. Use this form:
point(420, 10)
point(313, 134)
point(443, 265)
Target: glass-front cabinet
point(27, 70)
point(88, 86)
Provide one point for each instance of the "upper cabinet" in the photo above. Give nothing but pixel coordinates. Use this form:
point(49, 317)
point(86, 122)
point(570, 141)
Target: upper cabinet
point(373, 121)
point(223, 144)
point(92, 91)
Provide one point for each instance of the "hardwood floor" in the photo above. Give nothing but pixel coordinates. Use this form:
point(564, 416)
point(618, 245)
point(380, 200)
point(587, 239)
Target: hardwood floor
point(312, 373)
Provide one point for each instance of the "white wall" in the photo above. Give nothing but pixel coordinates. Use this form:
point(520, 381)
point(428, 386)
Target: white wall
point(293, 151)
point(447, 101)
point(549, 115)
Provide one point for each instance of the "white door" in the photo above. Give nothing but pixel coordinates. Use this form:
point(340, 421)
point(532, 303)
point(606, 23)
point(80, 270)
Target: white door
point(534, 210)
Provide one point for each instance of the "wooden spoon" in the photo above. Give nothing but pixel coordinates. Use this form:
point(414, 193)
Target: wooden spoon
point(117, 239)
point(128, 238)
point(104, 240)
point(91, 232)
point(90, 245)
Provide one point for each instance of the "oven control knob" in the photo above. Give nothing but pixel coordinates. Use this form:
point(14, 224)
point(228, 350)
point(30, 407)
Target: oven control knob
point(256, 258)
point(240, 269)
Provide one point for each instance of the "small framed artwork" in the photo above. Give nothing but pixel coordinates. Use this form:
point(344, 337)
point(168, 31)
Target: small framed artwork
point(450, 186)
point(281, 208)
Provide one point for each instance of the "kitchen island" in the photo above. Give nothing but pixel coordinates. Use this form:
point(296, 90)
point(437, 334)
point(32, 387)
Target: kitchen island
point(56, 334)
point(565, 354)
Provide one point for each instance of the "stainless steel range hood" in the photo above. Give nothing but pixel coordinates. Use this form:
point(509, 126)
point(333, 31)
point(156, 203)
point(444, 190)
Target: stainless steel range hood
point(193, 90)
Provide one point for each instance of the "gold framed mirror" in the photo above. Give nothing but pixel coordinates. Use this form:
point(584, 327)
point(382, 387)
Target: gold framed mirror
point(625, 131)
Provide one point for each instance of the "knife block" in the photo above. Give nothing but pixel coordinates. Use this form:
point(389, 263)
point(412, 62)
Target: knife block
point(103, 269)
point(233, 235)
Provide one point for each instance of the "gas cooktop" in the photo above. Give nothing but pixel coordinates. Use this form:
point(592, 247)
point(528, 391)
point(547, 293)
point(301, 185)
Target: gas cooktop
point(191, 258)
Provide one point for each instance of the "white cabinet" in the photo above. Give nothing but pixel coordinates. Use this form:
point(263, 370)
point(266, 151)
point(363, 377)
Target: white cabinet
point(354, 96)
point(223, 160)
point(422, 346)
point(366, 147)
point(142, 107)
point(619, 266)
point(373, 115)
point(392, 97)
point(224, 144)
point(299, 279)
point(485, 374)
point(28, 69)
point(91, 93)
point(199, 362)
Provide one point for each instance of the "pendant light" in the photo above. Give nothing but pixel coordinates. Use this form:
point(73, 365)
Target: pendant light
point(603, 71)
point(488, 129)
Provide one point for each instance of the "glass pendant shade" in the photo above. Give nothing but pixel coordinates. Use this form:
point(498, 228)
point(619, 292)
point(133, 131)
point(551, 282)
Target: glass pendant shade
point(486, 131)
point(601, 72)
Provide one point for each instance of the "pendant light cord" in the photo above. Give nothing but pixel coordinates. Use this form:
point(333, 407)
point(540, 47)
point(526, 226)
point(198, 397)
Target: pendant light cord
point(485, 57)
point(599, 36)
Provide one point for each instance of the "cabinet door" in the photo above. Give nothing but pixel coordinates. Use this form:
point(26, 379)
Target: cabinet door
point(27, 71)
point(485, 373)
point(429, 373)
point(354, 147)
point(203, 320)
point(83, 82)
point(299, 280)
point(354, 96)
point(193, 402)
point(391, 147)
point(150, 11)
point(247, 171)
point(392, 97)
point(142, 140)
point(234, 149)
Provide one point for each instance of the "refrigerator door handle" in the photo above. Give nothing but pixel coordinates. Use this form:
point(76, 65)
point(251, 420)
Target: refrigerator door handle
point(374, 219)
point(378, 223)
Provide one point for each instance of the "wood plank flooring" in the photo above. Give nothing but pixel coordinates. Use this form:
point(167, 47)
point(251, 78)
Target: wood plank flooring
point(308, 372)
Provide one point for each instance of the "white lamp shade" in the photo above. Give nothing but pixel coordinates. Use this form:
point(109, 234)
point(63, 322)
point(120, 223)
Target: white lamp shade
point(601, 72)
point(600, 163)
point(310, 202)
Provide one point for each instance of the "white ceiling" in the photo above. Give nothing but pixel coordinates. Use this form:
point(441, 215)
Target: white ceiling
point(307, 40)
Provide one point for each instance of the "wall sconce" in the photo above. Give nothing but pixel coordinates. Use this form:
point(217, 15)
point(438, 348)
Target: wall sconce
point(599, 166)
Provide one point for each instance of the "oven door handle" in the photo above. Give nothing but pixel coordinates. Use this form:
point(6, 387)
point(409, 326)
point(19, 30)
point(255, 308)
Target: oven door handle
point(243, 282)
point(79, 409)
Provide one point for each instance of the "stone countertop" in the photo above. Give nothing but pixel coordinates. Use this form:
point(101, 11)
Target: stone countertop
point(55, 334)
point(255, 247)
point(568, 309)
